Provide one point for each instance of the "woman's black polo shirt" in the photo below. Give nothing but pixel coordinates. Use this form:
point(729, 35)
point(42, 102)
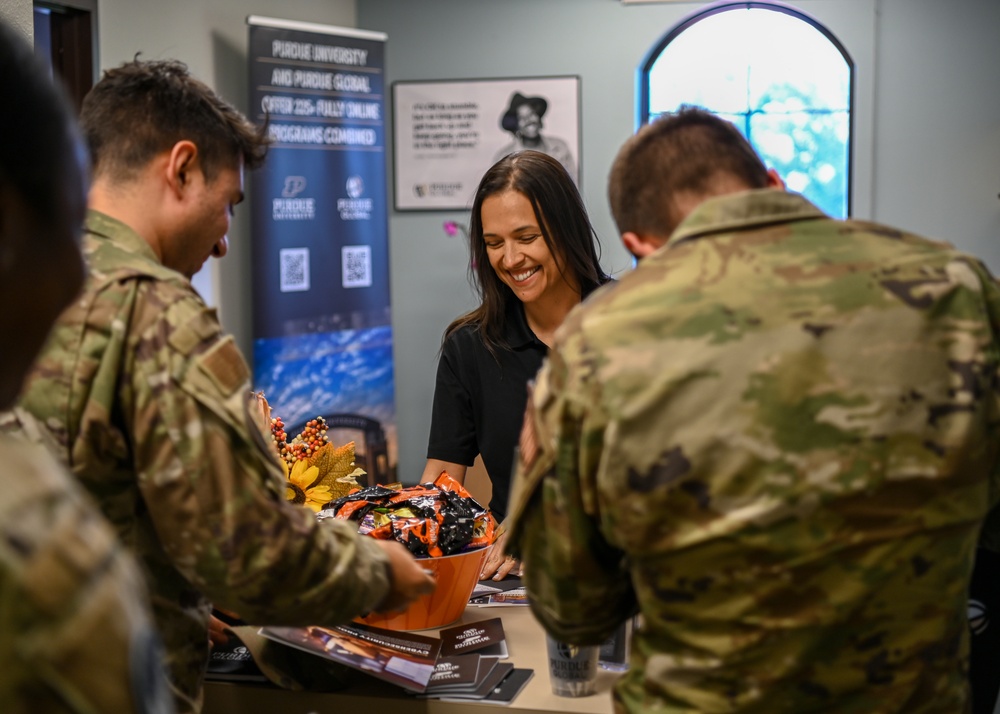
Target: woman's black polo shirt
point(479, 400)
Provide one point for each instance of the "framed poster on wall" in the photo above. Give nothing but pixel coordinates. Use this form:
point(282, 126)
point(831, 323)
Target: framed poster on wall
point(446, 134)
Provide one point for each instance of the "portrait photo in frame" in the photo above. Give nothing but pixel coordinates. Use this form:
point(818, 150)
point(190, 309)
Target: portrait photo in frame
point(446, 134)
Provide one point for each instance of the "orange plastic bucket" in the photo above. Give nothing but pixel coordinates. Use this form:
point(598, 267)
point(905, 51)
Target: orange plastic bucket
point(456, 577)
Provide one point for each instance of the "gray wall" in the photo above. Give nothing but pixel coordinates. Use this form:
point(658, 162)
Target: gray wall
point(17, 13)
point(937, 164)
point(928, 71)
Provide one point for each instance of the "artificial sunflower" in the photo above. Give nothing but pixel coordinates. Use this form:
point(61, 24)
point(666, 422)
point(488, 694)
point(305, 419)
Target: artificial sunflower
point(302, 486)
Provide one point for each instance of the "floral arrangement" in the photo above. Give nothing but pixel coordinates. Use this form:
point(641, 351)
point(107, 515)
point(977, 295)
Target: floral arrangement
point(452, 229)
point(316, 470)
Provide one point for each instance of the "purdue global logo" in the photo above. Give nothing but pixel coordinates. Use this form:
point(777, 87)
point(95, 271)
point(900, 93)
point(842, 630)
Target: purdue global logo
point(292, 206)
point(426, 190)
point(354, 207)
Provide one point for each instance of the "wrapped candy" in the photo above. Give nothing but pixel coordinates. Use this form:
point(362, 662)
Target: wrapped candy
point(430, 519)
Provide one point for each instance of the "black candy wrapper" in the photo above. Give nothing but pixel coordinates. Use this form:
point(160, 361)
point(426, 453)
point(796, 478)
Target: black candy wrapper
point(430, 519)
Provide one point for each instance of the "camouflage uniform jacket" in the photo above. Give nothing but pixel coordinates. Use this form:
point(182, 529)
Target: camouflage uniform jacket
point(777, 439)
point(146, 400)
point(77, 636)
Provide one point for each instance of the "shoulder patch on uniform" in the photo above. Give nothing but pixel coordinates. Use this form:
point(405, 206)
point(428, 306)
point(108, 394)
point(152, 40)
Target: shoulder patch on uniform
point(190, 322)
point(224, 365)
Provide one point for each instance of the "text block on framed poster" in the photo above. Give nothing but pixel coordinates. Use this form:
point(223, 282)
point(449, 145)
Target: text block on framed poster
point(446, 134)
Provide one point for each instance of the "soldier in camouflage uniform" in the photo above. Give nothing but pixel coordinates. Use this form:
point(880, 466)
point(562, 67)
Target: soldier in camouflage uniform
point(75, 632)
point(776, 439)
point(147, 400)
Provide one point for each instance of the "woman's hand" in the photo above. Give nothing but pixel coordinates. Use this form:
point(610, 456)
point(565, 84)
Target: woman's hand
point(498, 564)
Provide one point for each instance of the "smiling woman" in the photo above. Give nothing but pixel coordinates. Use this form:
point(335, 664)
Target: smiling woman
point(534, 257)
point(523, 261)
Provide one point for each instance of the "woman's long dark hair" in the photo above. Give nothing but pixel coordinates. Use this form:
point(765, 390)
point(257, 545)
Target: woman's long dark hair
point(565, 227)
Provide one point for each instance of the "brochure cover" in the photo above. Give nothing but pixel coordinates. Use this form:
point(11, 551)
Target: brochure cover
point(232, 662)
point(401, 658)
point(485, 637)
point(483, 689)
point(458, 672)
point(505, 692)
point(441, 686)
point(491, 587)
point(517, 596)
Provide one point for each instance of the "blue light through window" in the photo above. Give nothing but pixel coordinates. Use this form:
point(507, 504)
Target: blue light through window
point(779, 76)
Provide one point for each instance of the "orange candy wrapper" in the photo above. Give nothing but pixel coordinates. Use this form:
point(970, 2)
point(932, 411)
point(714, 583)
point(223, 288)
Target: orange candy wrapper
point(430, 519)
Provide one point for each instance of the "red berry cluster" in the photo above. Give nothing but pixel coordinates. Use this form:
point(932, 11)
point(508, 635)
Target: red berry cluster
point(278, 431)
point(308, 442)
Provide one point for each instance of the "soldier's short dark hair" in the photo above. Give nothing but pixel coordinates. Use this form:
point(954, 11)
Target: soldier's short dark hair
point(37, 128)
point(143, 108)
point(684, 152)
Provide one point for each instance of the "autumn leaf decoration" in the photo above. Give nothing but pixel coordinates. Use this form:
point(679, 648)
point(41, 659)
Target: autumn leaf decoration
point(316, 471)
point(336, 468)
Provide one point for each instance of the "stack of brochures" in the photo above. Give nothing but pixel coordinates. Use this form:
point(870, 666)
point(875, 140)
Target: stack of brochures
point(464, 663)
point(473, 677)
point(232, 662)
point(401, 658)
point(501, 593)
point(470, 666)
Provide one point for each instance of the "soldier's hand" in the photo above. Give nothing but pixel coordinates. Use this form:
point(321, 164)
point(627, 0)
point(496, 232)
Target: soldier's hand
point(409, 580)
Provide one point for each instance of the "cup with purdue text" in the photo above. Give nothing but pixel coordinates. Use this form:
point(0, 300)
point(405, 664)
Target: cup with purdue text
point(572, 668)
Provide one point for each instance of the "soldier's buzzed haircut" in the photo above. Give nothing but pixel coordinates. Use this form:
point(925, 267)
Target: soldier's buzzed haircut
point(36, 125)
point(686, 152)
point(141, 109)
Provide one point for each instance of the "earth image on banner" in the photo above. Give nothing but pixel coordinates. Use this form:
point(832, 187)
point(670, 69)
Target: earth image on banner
point(345, 374)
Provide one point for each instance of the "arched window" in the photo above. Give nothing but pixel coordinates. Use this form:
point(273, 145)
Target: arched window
point(780, 76)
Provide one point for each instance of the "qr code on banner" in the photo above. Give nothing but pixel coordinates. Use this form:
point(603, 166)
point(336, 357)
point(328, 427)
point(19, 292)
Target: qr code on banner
point(294, 264)
point(357, 266)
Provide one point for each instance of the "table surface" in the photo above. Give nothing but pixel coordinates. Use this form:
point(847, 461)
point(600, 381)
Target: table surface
point(526, 650)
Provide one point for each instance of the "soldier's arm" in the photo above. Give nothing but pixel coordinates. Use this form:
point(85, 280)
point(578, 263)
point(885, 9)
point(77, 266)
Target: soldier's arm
point(216, 492)
point(73, 611)
point(990, 536)
point(578, 582)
